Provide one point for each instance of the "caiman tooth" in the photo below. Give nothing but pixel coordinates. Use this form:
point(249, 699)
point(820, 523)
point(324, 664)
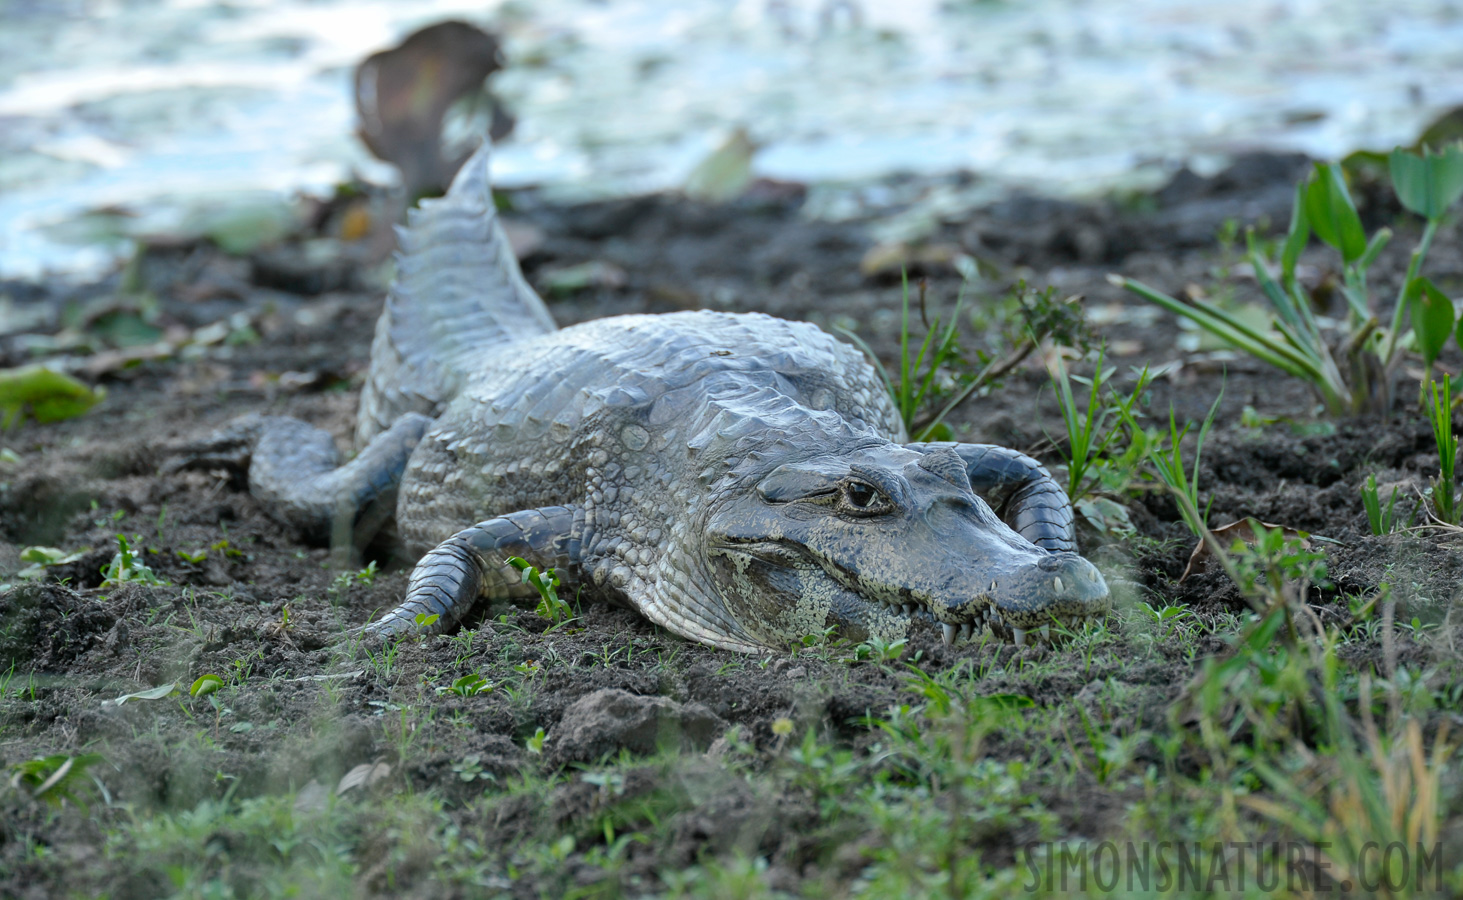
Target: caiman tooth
point(1057, 584)
point(908, 609)
point(1046, 633)
point(948, 631)
point(965, 629)
point(1019, 636)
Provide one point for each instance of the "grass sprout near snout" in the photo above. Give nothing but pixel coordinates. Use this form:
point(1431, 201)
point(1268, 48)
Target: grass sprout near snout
point(1092, 431)
point(924, 374)
point(1167, 459)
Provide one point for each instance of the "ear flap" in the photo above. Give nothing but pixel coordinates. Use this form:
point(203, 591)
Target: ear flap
point(795, 481)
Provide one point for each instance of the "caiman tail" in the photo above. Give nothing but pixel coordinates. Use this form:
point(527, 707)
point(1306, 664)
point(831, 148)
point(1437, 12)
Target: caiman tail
point(458, 292)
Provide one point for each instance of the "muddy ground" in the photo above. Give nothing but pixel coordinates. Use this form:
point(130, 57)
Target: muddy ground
point(304, 704)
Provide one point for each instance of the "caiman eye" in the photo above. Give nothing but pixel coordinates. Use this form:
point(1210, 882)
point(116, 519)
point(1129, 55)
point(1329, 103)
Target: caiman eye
point(862, 498)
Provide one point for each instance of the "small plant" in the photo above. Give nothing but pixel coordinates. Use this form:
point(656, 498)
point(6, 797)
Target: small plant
point(340, 585)
point(103, 521)
point(819, 638)
point(42, 558)
point(126, 567)
point(1380, 520)
point(471, 769)
point(55, 779)
point(1354, 376)
point(471, 685)
point(1276, 569)
point(1167, 618)
point(367, 576)
point(547, 584)
point(383, 661)
point(535, 744)
point(228, 551)
point(1111, 752)
point(207, 685)
point(1168, 461)
point(877, 648)
point(920, 376)
point(1445, 503)
point(1091, 432)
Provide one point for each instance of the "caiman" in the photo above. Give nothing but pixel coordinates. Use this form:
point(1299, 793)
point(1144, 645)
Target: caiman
point(740, 480)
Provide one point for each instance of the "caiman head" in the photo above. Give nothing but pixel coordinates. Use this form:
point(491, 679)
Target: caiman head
point(870, 538)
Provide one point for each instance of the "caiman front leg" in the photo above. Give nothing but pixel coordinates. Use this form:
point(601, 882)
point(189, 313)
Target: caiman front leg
point(1038, 508)
point(472, 565)
point(295, 472)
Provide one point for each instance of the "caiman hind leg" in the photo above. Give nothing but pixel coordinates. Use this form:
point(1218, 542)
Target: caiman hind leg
point(1037, 508)
point(295, 471)
point(472, 565)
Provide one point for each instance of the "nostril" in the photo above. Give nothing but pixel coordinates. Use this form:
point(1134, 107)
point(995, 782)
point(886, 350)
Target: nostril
point(1052, 562)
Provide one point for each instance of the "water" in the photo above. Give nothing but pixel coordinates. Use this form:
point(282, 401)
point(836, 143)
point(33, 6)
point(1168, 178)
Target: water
point(121, 118)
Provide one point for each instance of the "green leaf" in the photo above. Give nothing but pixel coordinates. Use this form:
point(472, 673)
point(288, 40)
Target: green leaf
point(1010, 701)
point(470, 685)
point(46, 395)
point(48, 556)
point(1428, 184)
point(1432, 317)
point(1298, 236)
point(54, 779)
point(205, 685)
point(157, 693)
point(1331, 213)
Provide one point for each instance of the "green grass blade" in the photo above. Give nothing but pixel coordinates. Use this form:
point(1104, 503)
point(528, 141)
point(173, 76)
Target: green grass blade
point(1230, 329)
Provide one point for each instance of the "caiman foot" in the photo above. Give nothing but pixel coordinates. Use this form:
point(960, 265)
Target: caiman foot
point(473, 565)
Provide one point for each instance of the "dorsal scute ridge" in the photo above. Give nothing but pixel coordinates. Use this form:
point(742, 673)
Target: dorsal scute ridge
point(458, 295)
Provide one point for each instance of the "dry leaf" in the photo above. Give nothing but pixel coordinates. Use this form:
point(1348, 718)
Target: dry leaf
point(364, 775)
point(1199, 559)
point(403, 94)
point(311, 798)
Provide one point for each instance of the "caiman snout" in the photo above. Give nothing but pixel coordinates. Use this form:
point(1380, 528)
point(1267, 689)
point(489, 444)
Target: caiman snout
point(1056, 588)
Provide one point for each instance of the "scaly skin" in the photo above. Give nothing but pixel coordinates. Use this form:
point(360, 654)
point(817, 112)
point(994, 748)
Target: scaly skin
point(741, 480)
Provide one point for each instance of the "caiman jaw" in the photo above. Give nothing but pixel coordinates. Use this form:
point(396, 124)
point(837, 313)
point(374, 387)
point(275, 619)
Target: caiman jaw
point(1061, 589)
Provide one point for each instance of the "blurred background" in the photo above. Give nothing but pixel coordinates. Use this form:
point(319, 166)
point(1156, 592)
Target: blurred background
point(121, 119)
